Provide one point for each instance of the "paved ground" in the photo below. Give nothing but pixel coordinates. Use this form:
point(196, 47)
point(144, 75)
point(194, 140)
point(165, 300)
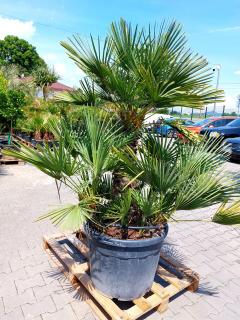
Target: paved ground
point(30, 288)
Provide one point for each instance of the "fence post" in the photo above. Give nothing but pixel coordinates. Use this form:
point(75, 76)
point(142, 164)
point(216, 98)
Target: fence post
point(223, 112)
point(205, 115)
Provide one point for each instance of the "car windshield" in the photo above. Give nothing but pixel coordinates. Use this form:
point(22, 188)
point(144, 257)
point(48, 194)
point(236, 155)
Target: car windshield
point(234, 123)
point(201, 122)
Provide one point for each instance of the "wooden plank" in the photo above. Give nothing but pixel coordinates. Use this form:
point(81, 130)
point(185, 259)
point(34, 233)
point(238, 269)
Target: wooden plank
point(111, 308)
point(81, 245)
point(143, 304)
point(180, 284)
point(135, 311)
point(182, 268)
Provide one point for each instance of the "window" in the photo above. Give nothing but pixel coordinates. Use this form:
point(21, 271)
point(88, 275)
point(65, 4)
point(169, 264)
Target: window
point(219, 123)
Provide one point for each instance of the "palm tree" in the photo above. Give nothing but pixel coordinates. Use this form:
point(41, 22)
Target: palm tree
point(134, 71)
point(43, 78)
point(163, 177)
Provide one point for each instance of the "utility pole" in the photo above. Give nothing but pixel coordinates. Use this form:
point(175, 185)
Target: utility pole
point(217, 68)
point(238, 106)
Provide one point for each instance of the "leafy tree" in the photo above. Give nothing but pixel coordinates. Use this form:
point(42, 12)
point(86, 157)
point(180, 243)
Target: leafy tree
point(3, 83)
point(43, 78)
point(134, 71)
point(11, 104)
point(14, 50)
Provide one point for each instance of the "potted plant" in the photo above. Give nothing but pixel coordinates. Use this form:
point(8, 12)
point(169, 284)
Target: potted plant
point(128, 183)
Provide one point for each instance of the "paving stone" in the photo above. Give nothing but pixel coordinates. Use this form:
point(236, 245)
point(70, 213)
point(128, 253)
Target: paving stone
point(90, 316)
point(201, 310)
point(62, 298)
point(43, 291)
point(65, 313)
point(204, 270)
point(42, 267)
point(33, 310)
point(5, 267)
point(182, 315)
point(1, 307)
point(19, 274)
point(7, 287)
point(14, 315)
point(17, 263)
point(217, 264)
point(81, 308)
point(157, 316)
point(30, 282)
point(177, 304)
point(229, 257)
point(225, 315)
point(26, 252)
point(233, 307)
point(11, 302)
point(223, 276)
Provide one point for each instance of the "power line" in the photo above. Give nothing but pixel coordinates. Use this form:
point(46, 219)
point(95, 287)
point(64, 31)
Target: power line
point(39, 23)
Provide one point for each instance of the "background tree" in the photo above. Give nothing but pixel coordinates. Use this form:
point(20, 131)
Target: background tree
point(14, 50)
point(43, 78)
point(11, 104)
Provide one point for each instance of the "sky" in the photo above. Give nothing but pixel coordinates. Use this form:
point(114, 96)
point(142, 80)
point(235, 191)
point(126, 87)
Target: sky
point(211, 26)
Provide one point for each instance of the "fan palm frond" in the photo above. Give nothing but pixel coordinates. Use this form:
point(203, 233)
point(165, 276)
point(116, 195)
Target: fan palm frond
point(137, 68)
point(228, 214)
point(70, 217)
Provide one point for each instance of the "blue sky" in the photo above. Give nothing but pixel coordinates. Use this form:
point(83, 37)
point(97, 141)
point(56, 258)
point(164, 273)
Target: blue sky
point(212, 28)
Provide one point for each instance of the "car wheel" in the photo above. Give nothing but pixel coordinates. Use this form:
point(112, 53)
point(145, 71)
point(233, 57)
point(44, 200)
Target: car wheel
point(170, 133)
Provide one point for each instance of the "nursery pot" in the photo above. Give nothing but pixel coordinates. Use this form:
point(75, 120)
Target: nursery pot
point(123, 269)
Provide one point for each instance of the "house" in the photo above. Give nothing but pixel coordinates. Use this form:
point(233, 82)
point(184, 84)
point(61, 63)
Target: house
point(52, 90)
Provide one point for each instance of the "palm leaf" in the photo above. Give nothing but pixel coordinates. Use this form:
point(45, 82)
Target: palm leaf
point(70, 217)
point(228, 214)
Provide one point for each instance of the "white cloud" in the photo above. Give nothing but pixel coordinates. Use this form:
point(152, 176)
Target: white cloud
point(15, 27)
point(227, 29)
point(67, 70)
point(230, 101)
point(237, 72)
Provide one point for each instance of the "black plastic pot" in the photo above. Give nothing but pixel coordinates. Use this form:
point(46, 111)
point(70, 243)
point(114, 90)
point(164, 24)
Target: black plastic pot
point(123, 269)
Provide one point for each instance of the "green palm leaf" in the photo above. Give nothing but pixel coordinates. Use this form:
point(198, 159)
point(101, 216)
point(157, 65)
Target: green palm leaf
point(228, 214)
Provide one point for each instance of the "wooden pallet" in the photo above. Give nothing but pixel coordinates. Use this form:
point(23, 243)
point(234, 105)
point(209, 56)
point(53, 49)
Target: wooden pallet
point(71, 256)
point(27, 143)
point(10, 160)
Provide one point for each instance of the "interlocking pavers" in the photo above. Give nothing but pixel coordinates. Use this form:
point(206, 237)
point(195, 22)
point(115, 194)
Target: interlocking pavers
point(31, 288)
point(33, 310)
point(81, 308)
point(11, 302)
point(62, 298)
point(65, 313)
point(14, 315)
point(30, 282)
point(41, 292)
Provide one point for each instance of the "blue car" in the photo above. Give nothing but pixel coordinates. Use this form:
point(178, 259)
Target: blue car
point(234, 146)
point(167, 131)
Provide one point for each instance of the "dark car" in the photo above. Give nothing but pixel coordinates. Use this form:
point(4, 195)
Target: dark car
point(234, 148)
point(231, 130)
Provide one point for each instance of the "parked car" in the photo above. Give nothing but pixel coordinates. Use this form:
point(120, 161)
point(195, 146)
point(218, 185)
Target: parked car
point(212, 122)
point(234, 148)
point(231, 130)
point(167, 131)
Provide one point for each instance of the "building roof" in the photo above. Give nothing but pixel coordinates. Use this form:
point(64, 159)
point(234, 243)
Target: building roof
point(57, 86)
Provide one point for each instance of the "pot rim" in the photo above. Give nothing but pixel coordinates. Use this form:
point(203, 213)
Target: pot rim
point(105, 239)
